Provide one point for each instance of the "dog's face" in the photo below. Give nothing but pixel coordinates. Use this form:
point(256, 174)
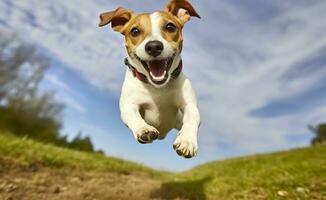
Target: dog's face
point(153, 41)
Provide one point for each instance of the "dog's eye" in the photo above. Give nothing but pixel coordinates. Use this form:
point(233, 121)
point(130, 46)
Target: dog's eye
point(169, 27)
point(135, 32)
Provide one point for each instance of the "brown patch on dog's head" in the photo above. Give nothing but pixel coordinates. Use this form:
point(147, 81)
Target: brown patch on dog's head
point(171, 30)
point(136, 31)
point(176, 13)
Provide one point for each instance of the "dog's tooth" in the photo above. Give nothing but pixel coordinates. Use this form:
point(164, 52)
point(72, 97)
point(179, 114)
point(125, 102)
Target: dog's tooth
point(158, 78)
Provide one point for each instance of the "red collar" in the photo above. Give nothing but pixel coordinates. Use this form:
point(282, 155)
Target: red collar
point(140, 76)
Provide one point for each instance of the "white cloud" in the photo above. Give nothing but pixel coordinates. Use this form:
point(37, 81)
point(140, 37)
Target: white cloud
point(64, 93)
point(72, 103)
point(55, 81)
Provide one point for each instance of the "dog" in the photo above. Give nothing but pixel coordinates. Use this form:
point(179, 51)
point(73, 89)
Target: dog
point(156, 96)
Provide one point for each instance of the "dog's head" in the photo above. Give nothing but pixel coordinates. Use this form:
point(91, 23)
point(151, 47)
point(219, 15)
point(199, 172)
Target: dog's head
point(153, 40)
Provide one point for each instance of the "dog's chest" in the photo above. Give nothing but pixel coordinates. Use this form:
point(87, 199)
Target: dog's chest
point(160, 111)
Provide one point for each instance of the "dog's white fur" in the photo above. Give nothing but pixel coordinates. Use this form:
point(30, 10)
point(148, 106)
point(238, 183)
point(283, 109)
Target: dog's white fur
point(150, 108)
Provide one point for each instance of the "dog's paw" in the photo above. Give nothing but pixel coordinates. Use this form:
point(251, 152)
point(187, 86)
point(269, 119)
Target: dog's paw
point(147, 134)
point(185, 147)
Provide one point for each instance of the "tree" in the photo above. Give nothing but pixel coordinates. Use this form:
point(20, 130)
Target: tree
point(320, 134)
point(20, 66)
point(82, 144)
point(24, 110)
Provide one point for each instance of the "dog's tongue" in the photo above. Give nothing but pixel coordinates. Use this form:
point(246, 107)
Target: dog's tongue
point(157, 67)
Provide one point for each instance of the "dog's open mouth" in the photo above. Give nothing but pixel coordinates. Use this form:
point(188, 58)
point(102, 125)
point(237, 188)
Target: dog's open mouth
point(157, 69)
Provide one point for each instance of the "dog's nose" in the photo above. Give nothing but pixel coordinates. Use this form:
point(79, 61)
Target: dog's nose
point(154, 48)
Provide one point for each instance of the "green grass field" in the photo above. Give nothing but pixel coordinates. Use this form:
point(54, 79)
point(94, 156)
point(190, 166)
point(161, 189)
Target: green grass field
point(294, 174)
point(25, 152)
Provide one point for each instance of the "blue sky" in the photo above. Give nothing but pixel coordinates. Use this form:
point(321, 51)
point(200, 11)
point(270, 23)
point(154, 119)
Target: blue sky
point(258, 68)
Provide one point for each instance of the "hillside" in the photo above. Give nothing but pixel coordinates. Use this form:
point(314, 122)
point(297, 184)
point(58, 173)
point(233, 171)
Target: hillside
point(294, 174)
point(31, 170)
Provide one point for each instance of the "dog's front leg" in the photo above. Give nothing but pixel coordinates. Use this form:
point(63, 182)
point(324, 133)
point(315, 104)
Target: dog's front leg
point(186, 141)
point(130, 115)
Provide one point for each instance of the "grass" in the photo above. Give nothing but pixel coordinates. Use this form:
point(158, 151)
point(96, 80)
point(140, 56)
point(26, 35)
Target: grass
point(294, 174)
point(26, 152)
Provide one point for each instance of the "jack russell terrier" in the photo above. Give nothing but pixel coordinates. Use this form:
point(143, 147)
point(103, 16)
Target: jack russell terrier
point(156, 96)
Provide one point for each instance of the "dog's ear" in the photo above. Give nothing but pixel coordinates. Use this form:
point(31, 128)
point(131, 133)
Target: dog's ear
point(182, 9)
point(118, 18)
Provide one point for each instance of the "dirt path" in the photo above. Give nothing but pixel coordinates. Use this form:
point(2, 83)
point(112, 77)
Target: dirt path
point(41, 183)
